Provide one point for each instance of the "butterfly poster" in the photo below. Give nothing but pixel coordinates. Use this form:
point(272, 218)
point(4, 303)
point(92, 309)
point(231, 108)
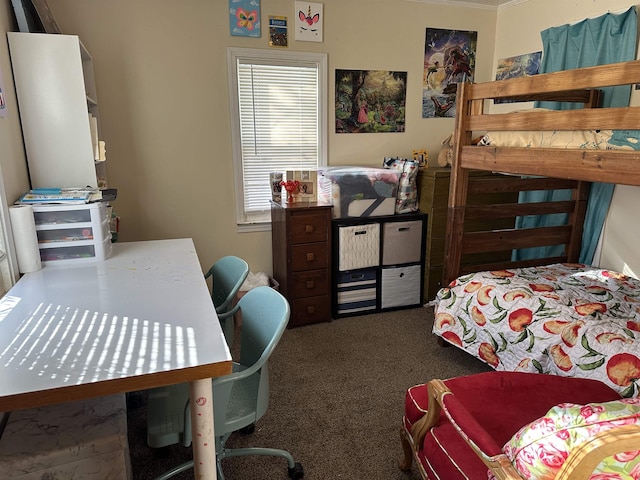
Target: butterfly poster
point(308, 21)
point(244, 18)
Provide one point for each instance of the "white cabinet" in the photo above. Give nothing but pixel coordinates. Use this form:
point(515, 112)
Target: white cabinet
point(72, 232)
point(56, 94)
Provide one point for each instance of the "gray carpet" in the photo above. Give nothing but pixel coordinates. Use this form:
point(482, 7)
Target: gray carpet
point(337, 397)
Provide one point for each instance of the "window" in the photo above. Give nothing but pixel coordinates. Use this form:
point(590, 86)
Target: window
point(279, 122)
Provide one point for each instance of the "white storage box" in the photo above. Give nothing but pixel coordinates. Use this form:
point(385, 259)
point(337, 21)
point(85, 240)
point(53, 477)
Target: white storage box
point(68, 233)
point(400, 286)
point(401, 242)
point(358, 246)
point(359, 191)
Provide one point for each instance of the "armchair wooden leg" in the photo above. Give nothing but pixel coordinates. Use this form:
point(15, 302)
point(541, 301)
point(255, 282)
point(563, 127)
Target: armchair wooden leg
point(407, 460)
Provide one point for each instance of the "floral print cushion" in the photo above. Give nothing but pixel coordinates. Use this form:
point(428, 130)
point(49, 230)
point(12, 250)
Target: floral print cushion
point(563, 319)
point(539, 449)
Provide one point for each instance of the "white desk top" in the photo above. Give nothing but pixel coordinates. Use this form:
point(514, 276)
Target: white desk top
point(142, 318)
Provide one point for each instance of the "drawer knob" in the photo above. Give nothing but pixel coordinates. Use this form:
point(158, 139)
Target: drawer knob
point(311, 257)
point(311, 310)
point(309, 229)
point(311, 284)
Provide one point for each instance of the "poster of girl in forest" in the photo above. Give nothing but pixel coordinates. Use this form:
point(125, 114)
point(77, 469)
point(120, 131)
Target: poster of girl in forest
point(449, 58)
point(370, 101)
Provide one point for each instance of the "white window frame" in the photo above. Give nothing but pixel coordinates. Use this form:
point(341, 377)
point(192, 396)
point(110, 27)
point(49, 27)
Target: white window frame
point(276, 57)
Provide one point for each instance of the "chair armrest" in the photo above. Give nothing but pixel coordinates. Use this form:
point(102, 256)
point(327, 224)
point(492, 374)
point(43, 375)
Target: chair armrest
point(223, 315)
point(435, 389)
point(585, 457)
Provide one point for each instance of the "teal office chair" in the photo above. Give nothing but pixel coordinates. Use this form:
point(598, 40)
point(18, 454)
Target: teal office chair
point(240, 398)
point(227, 276)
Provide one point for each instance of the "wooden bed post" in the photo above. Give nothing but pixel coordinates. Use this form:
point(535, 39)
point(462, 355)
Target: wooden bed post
point(576, 219)
point(457, 189)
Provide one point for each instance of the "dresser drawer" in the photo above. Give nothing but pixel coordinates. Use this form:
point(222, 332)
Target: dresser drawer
point(309, 256)
point(305, 311)
point(308, 229)
point(309, 284)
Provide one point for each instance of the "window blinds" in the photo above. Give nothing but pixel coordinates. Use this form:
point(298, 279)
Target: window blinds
point(278, 113)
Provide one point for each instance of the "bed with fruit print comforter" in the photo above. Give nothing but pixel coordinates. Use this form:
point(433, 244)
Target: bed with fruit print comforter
point(562, 319)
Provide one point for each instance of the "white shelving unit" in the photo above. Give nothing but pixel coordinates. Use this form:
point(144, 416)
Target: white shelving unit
point(56, 93)
point(77, 233)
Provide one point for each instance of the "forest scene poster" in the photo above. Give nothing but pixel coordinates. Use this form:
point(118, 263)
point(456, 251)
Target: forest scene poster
point(370, 101)
point(449, 58)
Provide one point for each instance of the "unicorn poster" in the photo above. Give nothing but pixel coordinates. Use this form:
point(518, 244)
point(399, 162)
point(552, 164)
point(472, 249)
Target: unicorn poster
point(449, 58)
point(244, 18)
point(308, 21)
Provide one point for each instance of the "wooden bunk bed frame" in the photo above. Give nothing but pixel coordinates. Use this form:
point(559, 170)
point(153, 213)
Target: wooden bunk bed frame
point(562, 168)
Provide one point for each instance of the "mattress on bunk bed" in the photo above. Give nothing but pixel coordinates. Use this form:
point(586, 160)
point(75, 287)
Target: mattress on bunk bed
point(563, 319)
point(579, 139)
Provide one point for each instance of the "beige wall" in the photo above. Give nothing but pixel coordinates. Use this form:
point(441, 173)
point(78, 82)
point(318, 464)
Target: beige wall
point(162, 85)
point(517, 32)
point(13, 167)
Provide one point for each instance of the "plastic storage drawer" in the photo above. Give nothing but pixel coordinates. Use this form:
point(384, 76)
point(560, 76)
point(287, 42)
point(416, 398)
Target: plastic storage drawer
point(358, 246)
point(72, 232)
point(357, 291)
point(401, 242)
point(400, 286)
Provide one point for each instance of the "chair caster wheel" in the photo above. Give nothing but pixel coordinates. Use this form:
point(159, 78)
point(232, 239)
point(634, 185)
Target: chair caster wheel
point(249, 429)
point(296, 472)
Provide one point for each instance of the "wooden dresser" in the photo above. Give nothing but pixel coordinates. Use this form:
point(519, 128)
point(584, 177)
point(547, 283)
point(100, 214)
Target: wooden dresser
point(301, 239)
point(433, 190)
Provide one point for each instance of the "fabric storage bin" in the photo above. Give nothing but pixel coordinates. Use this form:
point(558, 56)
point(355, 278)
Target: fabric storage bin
point(401, 242)
point(358, 246)
point(357, 291)
point(400, 286)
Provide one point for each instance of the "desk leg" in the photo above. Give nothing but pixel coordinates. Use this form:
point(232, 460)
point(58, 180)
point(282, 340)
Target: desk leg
point(204, 447)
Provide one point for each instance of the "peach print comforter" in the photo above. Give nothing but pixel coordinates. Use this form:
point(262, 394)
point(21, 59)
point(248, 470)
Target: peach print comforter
point(563, 319)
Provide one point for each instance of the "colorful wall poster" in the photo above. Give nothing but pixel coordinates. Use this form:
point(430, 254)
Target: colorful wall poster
point(244, 18)
point(449, 58)
point(519, 66)
point(309, 21)
point(278, 31)
point(370, 101)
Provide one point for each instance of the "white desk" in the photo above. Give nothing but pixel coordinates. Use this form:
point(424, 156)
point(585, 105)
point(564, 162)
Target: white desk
point(143, 318)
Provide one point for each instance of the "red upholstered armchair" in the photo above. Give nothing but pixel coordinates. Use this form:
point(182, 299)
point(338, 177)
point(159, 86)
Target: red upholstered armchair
point(458, 428)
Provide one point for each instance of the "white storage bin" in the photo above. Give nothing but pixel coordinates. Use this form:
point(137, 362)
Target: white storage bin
point(359, 246)
point(400, 286)
point(78, 233)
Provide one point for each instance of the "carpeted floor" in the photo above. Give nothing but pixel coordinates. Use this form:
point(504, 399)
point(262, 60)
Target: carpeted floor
point(337, 393)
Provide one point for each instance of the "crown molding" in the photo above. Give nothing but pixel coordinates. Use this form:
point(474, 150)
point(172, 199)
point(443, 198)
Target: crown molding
point(462, 3)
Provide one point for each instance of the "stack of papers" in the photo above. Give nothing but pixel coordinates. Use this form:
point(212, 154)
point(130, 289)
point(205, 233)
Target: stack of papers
point(58, 195)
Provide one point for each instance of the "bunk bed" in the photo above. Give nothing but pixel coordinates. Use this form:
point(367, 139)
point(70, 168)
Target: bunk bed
point(549, 315)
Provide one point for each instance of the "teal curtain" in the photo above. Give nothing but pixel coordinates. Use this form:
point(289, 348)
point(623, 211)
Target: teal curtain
point(609, 38)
